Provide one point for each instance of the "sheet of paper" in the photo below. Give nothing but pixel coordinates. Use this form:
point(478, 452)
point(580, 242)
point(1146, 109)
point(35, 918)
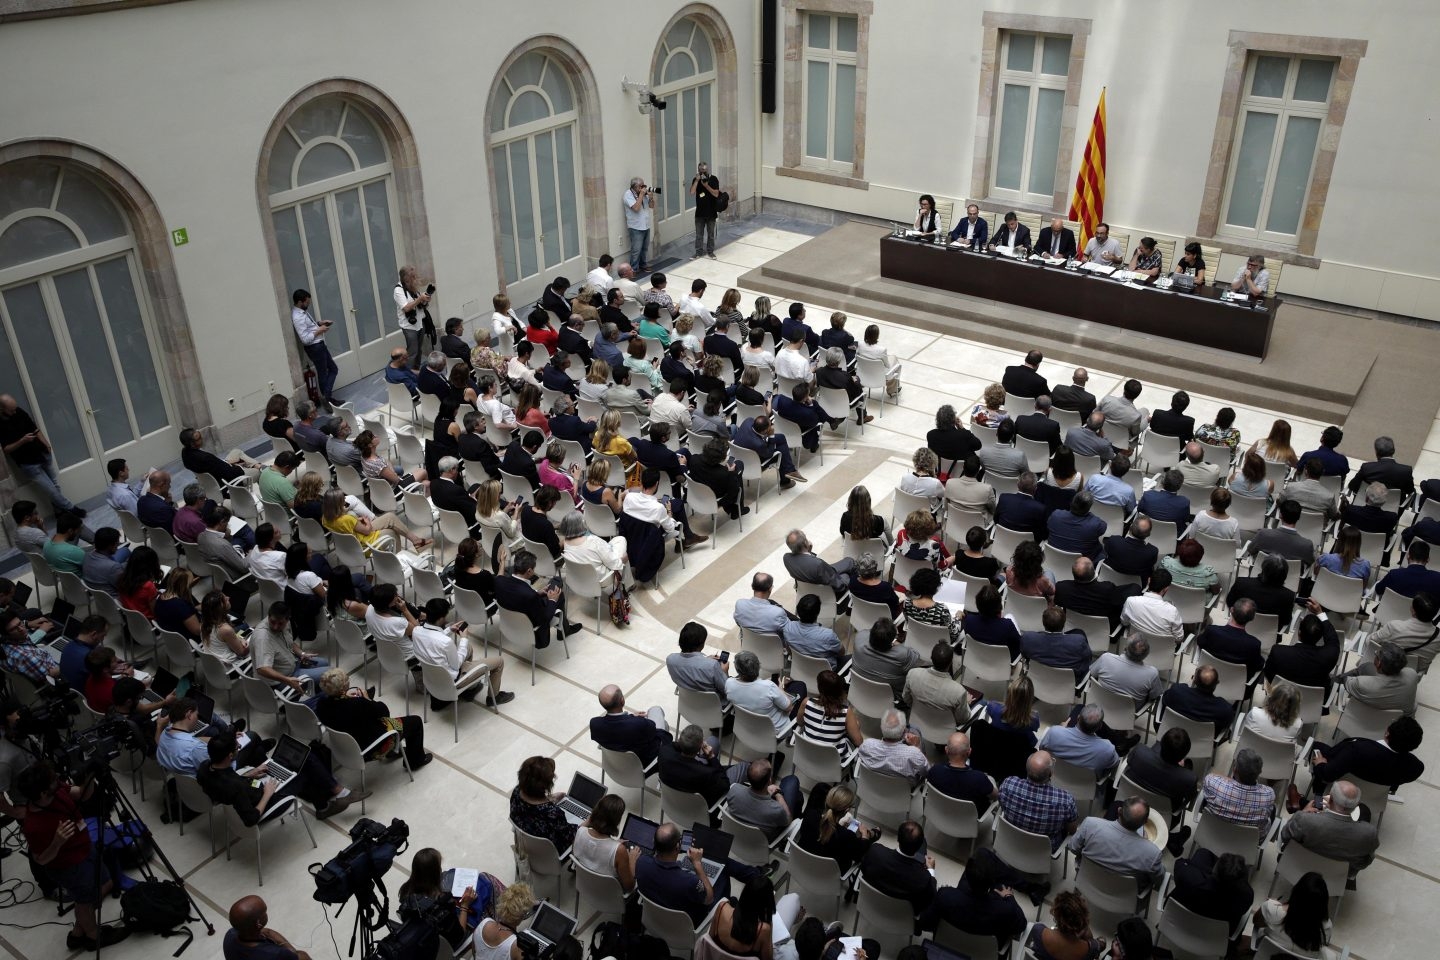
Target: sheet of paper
point(849, 948)
point(953, 593)
point(1005, 251)
point(779, 933)
point(464, 877)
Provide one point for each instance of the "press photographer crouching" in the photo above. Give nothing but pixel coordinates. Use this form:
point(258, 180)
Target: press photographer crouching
point(60, 845)
point(257, 797)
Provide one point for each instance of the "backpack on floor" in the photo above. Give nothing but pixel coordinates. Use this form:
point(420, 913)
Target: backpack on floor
point(159, 907)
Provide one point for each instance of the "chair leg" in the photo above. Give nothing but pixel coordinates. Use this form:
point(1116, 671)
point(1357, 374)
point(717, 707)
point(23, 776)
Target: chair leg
point(306, 824)
point(259, 872)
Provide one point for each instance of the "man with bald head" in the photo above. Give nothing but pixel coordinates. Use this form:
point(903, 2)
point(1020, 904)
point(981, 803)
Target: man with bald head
point(1056, 242)
point(1088, 439)
point(1194, 469)
point(638, 731)
point(155, 508)
point(250, 939)
point(1084, 593)
point(1117, 845)
point(1036, 804)
point(1132, 554)
point(763, 803)
point(1197, 700)
point(954, 776)
point(1330, 830)
point(678, 881)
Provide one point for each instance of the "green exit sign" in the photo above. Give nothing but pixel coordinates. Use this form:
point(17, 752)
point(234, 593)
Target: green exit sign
point(180, 236)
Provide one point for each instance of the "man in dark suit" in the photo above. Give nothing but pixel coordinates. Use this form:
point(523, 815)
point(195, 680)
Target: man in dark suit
point(980, 904)
point(519, 457)
point(1174, 422)
point(572, 340)
point(553, 299)
point(1087, 595)
point(1268, 590)
point(1284, 541)
point(1021, 511)
point(1336, 464)
point(673, 368)
point(1056, 242)
point(1077, 530)
point(197, 459)
point(1415, 577)
point(653, 452)
point(516, 591)
point(1198, 701)
point(972, 228)
point(802, 564)
point(713, 468)
point(1038, 425)
point(717, 343)
point(900, 873)
point(1391, 762)
point(800, 408)
point(794, 325)
point(1311, 659)
point(1023, 379)
point(474, 447)
point(1427, 530)
point(452, 344)
point(1367, 511)
point(1055, 646)
point(1385, 469)
point(691, 765)
point(641, 732)
point(1012, 233)
point(553, 375)
point(1163, 768)
point(758, 434)
point(566, 424)
point(447, 492)
point(432, 378)
point(1231, 642)
point(1073, 396)
point(1165, 502)
point(1130, 554)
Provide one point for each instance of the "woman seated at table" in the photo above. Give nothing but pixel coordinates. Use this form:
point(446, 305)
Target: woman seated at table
point(1192, 264)
point(1147, 259)
point(927, 220)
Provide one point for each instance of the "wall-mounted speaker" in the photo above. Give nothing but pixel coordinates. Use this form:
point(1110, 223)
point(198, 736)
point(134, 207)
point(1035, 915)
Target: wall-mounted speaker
point(769, 37)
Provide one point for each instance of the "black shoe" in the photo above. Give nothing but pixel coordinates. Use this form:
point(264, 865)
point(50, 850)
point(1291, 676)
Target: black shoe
point(1178, 838)
point(1038, 892)
point(108, 936)
point(504, 696)
point(75, 941)
point(82, 513)
point(422, 761)
point(572, 628)
point(1128, 744)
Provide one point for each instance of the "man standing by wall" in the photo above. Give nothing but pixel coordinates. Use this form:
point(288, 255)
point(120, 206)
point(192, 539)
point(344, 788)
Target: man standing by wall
point(31, 452)
point(705, 188)
point(639, 201)
point(312, 337)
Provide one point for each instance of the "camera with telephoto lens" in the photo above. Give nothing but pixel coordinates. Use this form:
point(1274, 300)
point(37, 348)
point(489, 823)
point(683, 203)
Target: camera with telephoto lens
point(419, 935)
point(657, 191)
point(50, 713)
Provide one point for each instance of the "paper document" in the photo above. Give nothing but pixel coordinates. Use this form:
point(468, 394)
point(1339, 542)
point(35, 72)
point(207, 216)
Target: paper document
point(1100, 268)
point(850, 948)
point(464, 877)
point(779, 933)
point(952, 592)
point(1005, 251)
point(914, 233)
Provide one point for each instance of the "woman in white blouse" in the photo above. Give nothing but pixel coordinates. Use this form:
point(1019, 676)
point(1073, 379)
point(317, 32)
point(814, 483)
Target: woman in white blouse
point(753, 353)
point(1279, 716)
point(927, 221)
point(597, 847)
point(870, 349)
point(504, 321)
point(1216, 522)
point(581, 546)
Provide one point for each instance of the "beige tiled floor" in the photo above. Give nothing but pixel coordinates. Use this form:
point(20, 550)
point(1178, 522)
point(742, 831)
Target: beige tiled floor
point(458, 804)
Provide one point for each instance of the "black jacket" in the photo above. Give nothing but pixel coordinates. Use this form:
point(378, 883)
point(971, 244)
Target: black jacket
point(689, 775)
point(1395, 475)
point(1185, 699)
point(1134, 558)
point(1278, 600)
point(1098, 598)
point(1037, 426)
point(1170, 424)
point(574, 343)
point(449, 495)
point(453, 346)
point(1018, 511)
point(1233, 645)
point(1067, 396)
point(537, 528)
point(1145, 766)
point(719, 345)
point(519, 462)
point(659, 456)
point(953, 444)
point(1309, 665)
point(1369, 519)
point(894, 874)
point(1370, 760)
point(625, 731)
point(515, 594)
point(1195, 888)
point(1024, 382)
point(474, 446)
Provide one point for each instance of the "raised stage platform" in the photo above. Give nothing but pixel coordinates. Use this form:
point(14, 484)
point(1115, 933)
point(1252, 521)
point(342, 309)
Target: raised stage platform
point(1368, 375)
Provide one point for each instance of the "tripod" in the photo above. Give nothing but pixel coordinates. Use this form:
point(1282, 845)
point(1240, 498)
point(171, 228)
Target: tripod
point(370, 915)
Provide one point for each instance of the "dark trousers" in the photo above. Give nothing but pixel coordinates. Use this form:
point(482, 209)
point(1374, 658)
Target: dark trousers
point(312, 783)
point(782, 447)
point(325, 369)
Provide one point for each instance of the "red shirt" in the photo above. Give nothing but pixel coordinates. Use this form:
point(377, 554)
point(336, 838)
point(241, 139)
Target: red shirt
point(543, 335)
point(40, 827)
point(100, 692)
point(142, 600)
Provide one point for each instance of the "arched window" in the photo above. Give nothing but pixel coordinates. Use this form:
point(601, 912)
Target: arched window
point(77, 340)
point(684, 78)
point(332, 206)
point(534, 128)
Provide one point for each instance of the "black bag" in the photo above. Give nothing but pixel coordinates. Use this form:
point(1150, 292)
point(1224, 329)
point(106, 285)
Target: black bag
point(157, 906)
point(722, 202)
point(612, 939)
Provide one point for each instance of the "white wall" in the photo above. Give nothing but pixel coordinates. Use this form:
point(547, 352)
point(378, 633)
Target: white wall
point(1163, 66)
point(182, 96)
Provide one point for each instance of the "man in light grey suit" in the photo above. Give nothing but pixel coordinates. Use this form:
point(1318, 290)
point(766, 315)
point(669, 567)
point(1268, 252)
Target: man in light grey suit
point(1003, 458)
point(1284, 541)
point(1310, 493)
point(1330, 831)
point(802, 564)
point(1417, 636)
point(1385, 683)
point(1123, 411)
point(1129, 673)
point(1089, 439)
point(1117, 845)
point(1194, 469)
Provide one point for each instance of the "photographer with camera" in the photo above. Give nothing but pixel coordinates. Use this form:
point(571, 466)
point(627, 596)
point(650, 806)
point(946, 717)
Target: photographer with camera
point(59, 842)
point(256, 796)
point(413, 313)
point(639, 202)
point(705, 188)
point(20, 656)
point(250, 939)
point(14, 757)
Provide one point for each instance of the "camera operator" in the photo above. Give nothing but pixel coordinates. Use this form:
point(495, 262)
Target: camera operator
point(639, 201)
point(412, 312)
point(180, 748)
point(60, 844)
point(250, 939)
point(14, 758)
point(20, 656)
point(256, 796)
point(705, 188)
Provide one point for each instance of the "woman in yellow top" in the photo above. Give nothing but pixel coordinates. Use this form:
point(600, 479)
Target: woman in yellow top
point(336, 517)
point(607, 439)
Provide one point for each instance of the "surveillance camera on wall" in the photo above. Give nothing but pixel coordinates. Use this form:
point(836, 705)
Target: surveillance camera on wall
point(654, 101)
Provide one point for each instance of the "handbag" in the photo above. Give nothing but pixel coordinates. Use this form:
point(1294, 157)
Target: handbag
point(620, 605)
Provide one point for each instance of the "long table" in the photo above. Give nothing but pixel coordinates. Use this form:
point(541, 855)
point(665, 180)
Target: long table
point(1201, 317)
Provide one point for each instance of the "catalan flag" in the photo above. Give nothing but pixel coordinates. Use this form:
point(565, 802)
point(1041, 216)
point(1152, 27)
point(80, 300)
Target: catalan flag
point(1088, 205)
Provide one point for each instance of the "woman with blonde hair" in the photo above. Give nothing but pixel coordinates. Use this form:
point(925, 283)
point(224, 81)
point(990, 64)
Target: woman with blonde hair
point(337, 517)
point(762, 317)
point(596, 382)
point(492, 519)
point(990, 412)
point(825, 827)
point(597, 490)
point(483, 356)
point(1279, 716)
point(685, 333)
point(497, 938)
point(309, 493)
point(608, 441)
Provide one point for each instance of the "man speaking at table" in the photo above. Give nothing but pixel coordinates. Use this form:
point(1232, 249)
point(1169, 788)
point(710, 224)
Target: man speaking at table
point(1057, 241)
point(1013, 234)
point(973, 229)
point(1103, 249)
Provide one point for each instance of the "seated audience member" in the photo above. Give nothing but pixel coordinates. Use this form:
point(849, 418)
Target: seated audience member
point(1368, 513)
point(1334, 462)
point(350, 710)
point(1130, 555)
point(824, 830)
point(1020, 511)
point(1164, 767)
point(255, 796)
point(496, 937)
point(1344, 557)
point(1118, 846)
point(758, 434)
point(919, 540)
point(1089, 440)
point(1110, 488)
point(896, 752)
point(954, 777)
point(1216, 521)
point(968, 491)
point(1248, 479)
point(1390, 761)
point(1081, 741)
point(1017, 712)
point(950, 441)
point(802, 564)
point(827, 716)
point(1128, 673)
point(990, 411)
point(1327, 829)
point(980, 904)
point(742, 925)
point(1387, 682)
point(866, 584)
point(423, 891)
point(1035, 804)
point(445, 646)
point(905, 872)
point(1003, 458)
point(691, 764)
point(1414, 577)
point(885, 658)
point(1123, 412)
point(813, 639)
point(1174, 422)
point(1151, 614)
point(638, 732)
point(1164, 502)
point(250, 936)
point(1214, 887)
point(1087, 594)
point(758, 613)
point(1197, 700)
point(1055, 646)
point(714, 468)
point(1312, 495)
point(1241, 799)
point(1070, 935)
point(747, 690)
point(1038, 426)
point(1284, 541)
point(921, 607)
point(973, 561)
point(762, 802)
point(692, 668)
point(516, 591)
point(921, 480)
point(534, 806)
point(989, 625)
point(1267, 590)
point(1231, 642)
point(677, 881)
point(1026, 573)
point(935, 685)
point(276, 653)
point(1311, 659)
point(1073, 397)
point(1416, 635)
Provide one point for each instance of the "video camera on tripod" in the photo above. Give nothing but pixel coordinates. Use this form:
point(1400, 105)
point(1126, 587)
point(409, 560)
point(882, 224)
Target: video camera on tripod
point(49, 717)
point(356, 872)
point(87, 754)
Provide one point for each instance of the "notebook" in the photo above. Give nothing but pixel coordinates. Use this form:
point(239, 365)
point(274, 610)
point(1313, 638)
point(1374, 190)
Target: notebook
point(549, 929)
point(581, 798)
point(289, 756)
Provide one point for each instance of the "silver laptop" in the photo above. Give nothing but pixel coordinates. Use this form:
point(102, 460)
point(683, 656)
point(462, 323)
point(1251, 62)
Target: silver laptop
point(581, 798)
point(285, 763)
point(549, 929)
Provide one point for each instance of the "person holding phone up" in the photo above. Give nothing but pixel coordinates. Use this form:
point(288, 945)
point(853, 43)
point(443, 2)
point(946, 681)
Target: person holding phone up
point(705, 188)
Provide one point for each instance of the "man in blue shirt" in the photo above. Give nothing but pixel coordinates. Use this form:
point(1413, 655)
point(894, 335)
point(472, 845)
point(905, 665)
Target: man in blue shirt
point(1077, 530)
point(72, 658)
point(758, 613)
point(956, 778)
point(675, 882)
point(605, 345)
point(1055, 646)
point(1164, 503)
point(793, 323)
point(811, 638)
point(1336, 464)
point(398, 371)
point(1079, 742)
point(1111, 488)
point(103, 565)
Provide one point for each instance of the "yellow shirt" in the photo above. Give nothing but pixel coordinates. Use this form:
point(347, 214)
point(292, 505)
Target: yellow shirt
point(346, 523)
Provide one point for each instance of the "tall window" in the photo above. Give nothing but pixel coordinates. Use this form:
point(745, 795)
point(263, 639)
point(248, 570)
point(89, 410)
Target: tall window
point(1033, 75)
point(533, 131)
point(77, 343)
point(1285, 101)
point(332, 207)
point(830, 53)
point(684, 78)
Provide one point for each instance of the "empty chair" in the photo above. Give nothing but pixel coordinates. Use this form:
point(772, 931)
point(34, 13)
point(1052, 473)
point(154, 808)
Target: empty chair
point(626, 769)
point(276, 813)
point(1105, 889)
point(949, 821)
point(870, 698)
point(547, 864)
point(821, 877)
point(1025, 610)
point(756, 734)
point(1362, 720)
point(1219, 836)
point(599, 892)
point(768, 647)
point(1025, 851)
point(750, 844)
point(678, 806)
point(1191, 935)
point(883, 798)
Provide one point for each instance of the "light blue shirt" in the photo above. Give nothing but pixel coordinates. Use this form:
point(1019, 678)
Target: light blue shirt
point(762, 697)
point(1082, 749)
point(124, 496)
point(761, 616)
point(1112, 490)
point(815, 640)
point(181, 752)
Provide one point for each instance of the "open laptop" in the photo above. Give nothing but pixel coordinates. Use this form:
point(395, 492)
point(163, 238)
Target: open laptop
point(68, 632)
point(715, 843)
point(204, 705)
point(581, 798)
point(933, 951)
point(286, 760)
point(162, 685)
point(548, 930)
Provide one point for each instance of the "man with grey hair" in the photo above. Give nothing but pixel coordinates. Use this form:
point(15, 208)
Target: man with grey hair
point(749, 691)
point(896, 752)
point(1331, 831)
point(1039, 426)
point(432, 379)
point(835, 376)
point(1308, 490)
point(1386, 470)
point(1088, 439)
point(1367, 513)
point(638, 203)
point(1252, 279)
point(338, 448)
point(1118, 846)
point(802, 564)
point(1129, 674)
point(309, 427)
point(1241, 799)
point(625, 282)
point(1387, 682)
point(1034, 803)
point(605, 345)
point(1079, 741)
point(763, 803)
point(691, 764)
point(448, 493)
point(412, 313)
